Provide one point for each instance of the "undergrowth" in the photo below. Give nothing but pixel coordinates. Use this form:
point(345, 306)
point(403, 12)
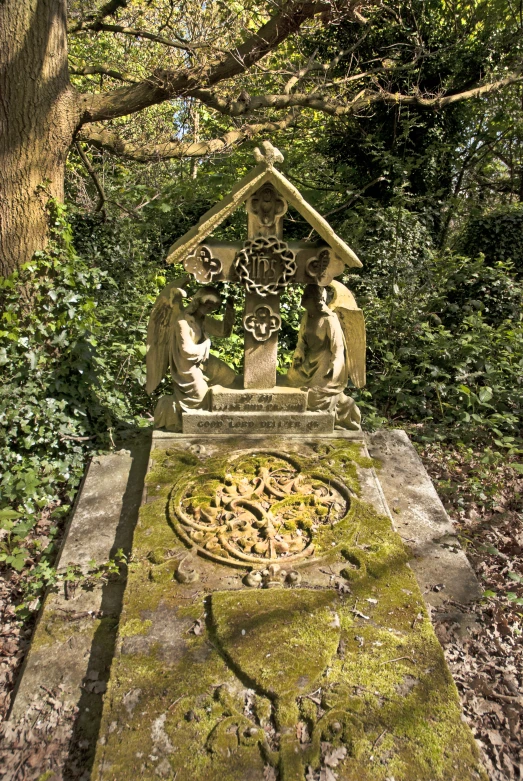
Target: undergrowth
point(445, 359)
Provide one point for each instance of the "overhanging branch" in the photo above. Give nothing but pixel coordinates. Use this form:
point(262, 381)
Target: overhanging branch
point(134, 33)
point(166, 84)
point(144, 153)
point(246, 104)
point(103, 70)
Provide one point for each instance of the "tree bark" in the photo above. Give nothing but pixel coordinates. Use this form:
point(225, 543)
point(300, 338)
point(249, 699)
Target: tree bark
point(39, 114)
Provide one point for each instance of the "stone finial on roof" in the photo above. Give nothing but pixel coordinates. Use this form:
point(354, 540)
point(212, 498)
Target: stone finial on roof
point(269, 156)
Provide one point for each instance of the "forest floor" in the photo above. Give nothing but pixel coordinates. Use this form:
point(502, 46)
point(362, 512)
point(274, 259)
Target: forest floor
point(483, 493)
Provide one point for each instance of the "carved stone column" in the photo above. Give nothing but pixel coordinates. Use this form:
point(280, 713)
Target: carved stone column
point(265, 268)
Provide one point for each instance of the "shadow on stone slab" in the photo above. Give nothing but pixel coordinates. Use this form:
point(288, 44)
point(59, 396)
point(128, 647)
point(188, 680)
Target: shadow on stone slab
point(90, 705)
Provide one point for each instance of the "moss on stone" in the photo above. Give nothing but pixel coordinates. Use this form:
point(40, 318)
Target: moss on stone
point(262, 633)
point(134, 627)
point(209, 700)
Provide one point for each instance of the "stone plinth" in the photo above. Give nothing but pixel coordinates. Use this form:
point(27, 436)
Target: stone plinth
point(307, 423)
point(273, 400)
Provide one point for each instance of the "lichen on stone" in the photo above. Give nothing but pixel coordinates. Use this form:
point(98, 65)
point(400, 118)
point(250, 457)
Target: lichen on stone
point(237, 679)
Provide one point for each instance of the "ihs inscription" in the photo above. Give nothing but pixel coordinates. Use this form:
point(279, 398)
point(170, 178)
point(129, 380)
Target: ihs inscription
point(265, 265)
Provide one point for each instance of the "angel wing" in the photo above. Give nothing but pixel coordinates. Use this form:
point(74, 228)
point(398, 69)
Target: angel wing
point(353, 325)
point(166, 309)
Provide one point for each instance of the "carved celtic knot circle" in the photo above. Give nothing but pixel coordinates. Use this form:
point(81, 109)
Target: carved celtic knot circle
point(264, 511)
point(264, 250)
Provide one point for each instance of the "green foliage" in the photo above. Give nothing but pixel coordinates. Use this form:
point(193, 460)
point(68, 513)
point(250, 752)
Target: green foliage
point(497, 235)
point(50, 394)
point(445, 333)
point(63, 393)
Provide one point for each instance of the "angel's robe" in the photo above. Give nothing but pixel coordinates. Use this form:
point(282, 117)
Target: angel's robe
point(193, 369)
point(320, 364)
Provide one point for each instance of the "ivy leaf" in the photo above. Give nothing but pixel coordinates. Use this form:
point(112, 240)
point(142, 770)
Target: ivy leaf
point(485, 394)
point(8, 514)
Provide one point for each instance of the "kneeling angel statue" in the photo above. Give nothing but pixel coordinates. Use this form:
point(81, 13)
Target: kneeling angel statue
point(178, 339)
point(331, 348)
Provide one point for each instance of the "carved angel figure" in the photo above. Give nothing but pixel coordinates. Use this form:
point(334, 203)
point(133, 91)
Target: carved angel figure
point(178, 339)
point(330, 349)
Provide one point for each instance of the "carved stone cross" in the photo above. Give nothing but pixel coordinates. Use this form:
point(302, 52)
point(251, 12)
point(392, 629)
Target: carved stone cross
point(264, 264)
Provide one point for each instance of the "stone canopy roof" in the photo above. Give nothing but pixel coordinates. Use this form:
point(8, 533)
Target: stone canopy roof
point(262, 173)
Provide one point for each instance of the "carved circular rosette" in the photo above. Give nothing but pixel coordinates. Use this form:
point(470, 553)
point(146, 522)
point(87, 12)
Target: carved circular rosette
point(255, 265)
point(262, 323)
point(202, 265)
point(264, 511)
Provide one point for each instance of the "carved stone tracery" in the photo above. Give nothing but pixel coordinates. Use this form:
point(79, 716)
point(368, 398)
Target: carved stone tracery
point(203, 265)
point(262, 518)
point(266, 208)
point(262, 323)
point(317, 266)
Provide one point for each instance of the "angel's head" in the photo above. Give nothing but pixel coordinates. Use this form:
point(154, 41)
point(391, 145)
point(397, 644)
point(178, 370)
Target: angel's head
point(205, 301)
point(314, 300)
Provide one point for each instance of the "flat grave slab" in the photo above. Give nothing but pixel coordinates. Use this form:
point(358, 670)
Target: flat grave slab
point(272, 627)
point(323, 661)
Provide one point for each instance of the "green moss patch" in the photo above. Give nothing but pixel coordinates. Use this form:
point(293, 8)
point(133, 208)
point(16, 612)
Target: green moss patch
point(214, 680)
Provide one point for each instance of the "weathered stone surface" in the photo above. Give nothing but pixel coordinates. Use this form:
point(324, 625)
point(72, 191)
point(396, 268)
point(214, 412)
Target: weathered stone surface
point(260, 358)
point(333, 664)
point(214, 679)
point(261, 175)
point(324, 356)
point(275, 399)
point(442, 569)
point(308, 423)
point(74, 640)
point(264, 265)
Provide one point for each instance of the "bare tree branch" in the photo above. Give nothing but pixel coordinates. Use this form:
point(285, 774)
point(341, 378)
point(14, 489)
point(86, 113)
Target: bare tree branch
point(246, 104)
point(312, 64)
point(119, 28)
point(94, 176)
point(103, 70)
point(143, 153)
point(164, 85)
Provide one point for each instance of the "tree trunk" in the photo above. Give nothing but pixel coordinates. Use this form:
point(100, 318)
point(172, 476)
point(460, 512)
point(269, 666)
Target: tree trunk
point(39, 114)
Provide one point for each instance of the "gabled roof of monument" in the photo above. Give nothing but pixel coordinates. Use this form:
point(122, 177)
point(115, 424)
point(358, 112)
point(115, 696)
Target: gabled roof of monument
point(264, 172)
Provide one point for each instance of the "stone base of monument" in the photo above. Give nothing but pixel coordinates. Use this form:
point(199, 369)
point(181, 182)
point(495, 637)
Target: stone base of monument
point(271, 625)
point(307, 423)
point(277, 410)
point(277, 399)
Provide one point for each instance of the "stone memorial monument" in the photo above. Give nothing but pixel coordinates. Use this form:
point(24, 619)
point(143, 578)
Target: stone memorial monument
point(272, 627)
point(208, 398)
